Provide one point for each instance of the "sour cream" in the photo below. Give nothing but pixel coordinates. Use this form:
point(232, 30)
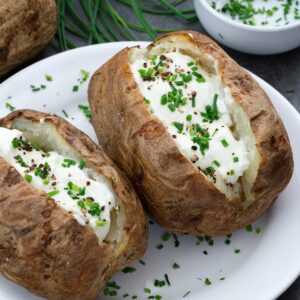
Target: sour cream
point(266, 14)
point(225, 157)
point(77, 189)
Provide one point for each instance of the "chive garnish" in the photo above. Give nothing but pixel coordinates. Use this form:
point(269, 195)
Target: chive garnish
point(86, 110)
point(142, 262)
point(186, 294)
point(159, 246)
point(166, 236)
point(211, 112)
point(28, 178)
point(167, 279)
point(67, 163)
point(235, 159)
point(215, 162)
point(81, 204)
point(129, 270)
point(65, 113)
point(224, 143)
point(189, 118)
point(176, 266)
point(53, 193)
point(10, 107)
point(207, 281)
point(46, 181)
point(48, 77)
point(179, 126)
point(159, 283)
point(249, 228)
point(81, 164)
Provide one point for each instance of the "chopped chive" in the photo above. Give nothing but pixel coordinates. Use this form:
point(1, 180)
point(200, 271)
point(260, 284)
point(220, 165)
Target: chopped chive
point(53, 193)
point(179, 83)
point(159, 283)
point(147, 290)
point(129, 270)
point(142, 262)
point(65, 113)
point(86, 110)
point(15, 144)
point(100, 223)
point(167, 279)
point(75, 88)
point(81, 164)
point(48, 77)
point(179, 126)
point(200, 79)
point(189, 118)
point(46, 181)
point(235, 159)
point(85, 76)
point(237, 251)
point(81, 204)
point(159, 246)
point(193, 101)
point(176, 266)
point(224, 143)
point(215, 162)
point(10, 107)
point(28, 178)
point(171, 107)
point(147, 101)
point(67, 163)
point(258, 230)
point(186, 294)
point(207, 281)
point(232, 172)
point(166, 236)
point(191, 63)
point(249, 228)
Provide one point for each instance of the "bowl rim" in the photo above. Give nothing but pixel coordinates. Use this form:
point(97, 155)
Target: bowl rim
point(245, 26)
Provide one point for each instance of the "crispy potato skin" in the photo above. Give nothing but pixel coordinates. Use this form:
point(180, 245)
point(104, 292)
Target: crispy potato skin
point(178, 196)
point(42, 247)
point(26, 26)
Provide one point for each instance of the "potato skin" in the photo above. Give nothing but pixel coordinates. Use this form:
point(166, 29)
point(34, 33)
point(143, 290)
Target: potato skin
point(178, 196)
point(42, 247)
point(26, 26)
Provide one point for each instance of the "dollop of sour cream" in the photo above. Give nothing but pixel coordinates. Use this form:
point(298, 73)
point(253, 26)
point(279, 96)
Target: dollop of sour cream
point(79, 190)
point(195, 108)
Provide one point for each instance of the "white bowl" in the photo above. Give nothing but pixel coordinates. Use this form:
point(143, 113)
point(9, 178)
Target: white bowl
point(246, 38)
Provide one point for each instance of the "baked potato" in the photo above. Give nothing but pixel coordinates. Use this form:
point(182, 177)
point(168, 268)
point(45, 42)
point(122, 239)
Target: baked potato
point(69, 218)
point(26, 26)
point(197, 136)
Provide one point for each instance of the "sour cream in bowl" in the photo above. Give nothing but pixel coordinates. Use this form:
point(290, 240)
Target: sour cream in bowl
point(256, 26)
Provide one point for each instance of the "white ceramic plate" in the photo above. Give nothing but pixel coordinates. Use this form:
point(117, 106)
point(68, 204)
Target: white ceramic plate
point(268, 261)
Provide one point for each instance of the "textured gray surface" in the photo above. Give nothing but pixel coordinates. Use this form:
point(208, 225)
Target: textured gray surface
point(281, 71)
